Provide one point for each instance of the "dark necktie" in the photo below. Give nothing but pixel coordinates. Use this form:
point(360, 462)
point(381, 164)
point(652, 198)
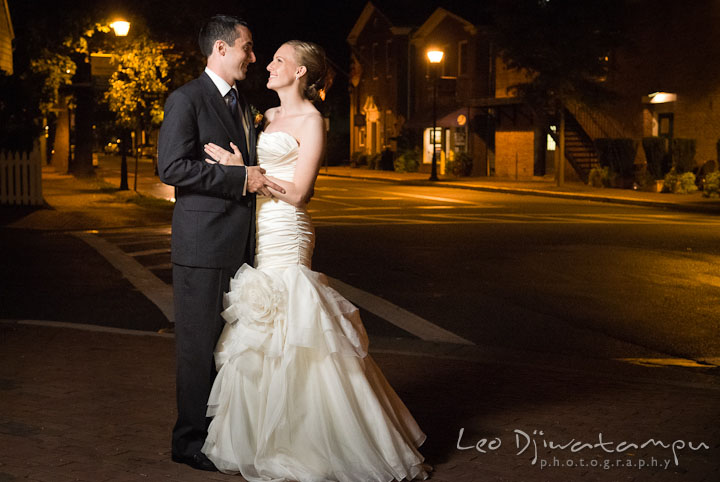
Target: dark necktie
point(232, 102)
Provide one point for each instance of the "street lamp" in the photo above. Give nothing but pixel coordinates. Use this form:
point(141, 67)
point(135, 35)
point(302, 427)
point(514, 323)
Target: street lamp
point(120, 27)
point(435, 56)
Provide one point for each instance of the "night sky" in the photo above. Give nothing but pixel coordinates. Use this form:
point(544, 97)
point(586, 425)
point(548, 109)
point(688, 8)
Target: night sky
point(326, 22)
point(40, 24)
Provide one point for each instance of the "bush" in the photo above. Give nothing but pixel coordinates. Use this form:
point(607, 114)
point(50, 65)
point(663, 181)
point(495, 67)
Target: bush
point(599, 177)
point(461, 166)
point(711, 187)
point(683, 154)
point(408, 161)
point(679, 183)
point(657, 155)
point(618, 155)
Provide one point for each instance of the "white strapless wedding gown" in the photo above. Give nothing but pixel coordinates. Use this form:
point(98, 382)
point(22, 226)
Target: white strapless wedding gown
point(297, 398)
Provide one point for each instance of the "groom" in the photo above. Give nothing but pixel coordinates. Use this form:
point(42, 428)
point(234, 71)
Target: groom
point(213, 228)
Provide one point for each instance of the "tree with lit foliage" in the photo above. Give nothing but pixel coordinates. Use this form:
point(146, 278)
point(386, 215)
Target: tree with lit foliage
point(137, 89)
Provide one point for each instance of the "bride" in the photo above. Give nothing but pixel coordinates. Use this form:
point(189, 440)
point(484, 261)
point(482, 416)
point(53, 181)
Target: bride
point(297, 397)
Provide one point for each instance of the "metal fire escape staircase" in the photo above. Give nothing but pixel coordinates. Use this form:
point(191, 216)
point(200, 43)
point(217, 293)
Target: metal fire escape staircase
point(582, 127)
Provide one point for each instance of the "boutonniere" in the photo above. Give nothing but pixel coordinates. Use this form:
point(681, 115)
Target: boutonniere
point(256, 116)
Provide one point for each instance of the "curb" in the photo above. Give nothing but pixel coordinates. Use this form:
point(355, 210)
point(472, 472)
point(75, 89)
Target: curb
point(540, 192)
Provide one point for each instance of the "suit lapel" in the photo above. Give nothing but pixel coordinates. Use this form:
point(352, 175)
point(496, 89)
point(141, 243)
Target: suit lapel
point(248, 124)
point(217, 105)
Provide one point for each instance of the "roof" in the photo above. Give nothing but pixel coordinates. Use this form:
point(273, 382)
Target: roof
point(436, 18)
point(414, 13)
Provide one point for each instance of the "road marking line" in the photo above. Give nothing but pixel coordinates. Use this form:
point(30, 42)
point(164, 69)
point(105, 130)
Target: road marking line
point(435, 198)
point(670, 362)
point(325, 200)
point(87, 327)
point(144, 280)
point(399, 317)
point(161, 294)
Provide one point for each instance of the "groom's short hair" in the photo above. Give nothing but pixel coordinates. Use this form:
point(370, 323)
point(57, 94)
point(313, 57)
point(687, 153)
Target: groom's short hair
point(219, 27)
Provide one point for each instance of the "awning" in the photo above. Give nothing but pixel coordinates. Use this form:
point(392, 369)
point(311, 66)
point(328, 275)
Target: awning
point(445, 118)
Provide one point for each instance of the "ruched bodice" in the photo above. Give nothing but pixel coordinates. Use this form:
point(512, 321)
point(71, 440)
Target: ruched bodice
point(285, 233)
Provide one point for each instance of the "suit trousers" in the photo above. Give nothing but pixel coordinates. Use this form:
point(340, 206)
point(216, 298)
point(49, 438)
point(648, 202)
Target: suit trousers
point(198, 294)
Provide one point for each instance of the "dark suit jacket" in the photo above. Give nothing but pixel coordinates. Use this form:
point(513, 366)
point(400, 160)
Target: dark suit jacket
point(213, 223)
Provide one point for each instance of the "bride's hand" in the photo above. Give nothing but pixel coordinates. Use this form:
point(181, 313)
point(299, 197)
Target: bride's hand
point(223, 156)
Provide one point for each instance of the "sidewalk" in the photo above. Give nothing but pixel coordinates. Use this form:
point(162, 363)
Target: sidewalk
point(92, 403)
point(86, 405)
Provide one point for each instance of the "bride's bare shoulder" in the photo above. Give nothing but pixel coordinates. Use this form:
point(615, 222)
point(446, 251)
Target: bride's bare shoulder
point(270, 114)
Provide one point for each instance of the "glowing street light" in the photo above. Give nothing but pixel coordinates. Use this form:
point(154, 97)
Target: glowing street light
point(435, 57)
point(120, 27)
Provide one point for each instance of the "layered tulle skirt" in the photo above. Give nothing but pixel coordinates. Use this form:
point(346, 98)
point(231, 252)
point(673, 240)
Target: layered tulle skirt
point(297, 398)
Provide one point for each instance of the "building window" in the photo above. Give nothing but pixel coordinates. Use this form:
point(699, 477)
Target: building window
point(374, 61)
point(665, 125)
point(388, 59)
point(462, 58)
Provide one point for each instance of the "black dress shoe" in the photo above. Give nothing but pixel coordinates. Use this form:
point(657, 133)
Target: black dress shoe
point(197, 461)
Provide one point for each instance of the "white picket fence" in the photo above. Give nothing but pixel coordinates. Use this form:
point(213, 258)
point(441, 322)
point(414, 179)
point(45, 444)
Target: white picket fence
point(21, 178)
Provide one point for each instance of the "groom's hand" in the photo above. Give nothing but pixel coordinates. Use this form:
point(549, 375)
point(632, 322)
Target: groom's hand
point(257, 182)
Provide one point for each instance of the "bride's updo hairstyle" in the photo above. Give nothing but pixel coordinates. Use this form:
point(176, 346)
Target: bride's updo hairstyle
point(319, 75)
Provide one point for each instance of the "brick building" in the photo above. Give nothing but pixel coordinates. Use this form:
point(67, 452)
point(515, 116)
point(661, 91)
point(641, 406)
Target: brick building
point(665, 78)
point(391, 93)
point(378, 81)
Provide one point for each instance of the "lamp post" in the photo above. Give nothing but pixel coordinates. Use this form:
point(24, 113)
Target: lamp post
point(121, 28)
point(435, 56)
point(82, 162)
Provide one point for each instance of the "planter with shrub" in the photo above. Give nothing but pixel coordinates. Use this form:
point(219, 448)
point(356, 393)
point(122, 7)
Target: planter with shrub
point(461, 166)
point(619, 156)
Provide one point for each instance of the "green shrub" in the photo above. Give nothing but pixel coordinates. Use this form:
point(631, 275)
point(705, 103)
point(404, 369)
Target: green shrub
point(618, 155)
point(711, 187)
point(657, 155)
point(408, 161)
point(679, 183)
point(683, 154)
point(461, 166)
point(599, 177)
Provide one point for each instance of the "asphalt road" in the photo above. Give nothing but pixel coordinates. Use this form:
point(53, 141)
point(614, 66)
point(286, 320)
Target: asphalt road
point(512, 273)
point(526, 272)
